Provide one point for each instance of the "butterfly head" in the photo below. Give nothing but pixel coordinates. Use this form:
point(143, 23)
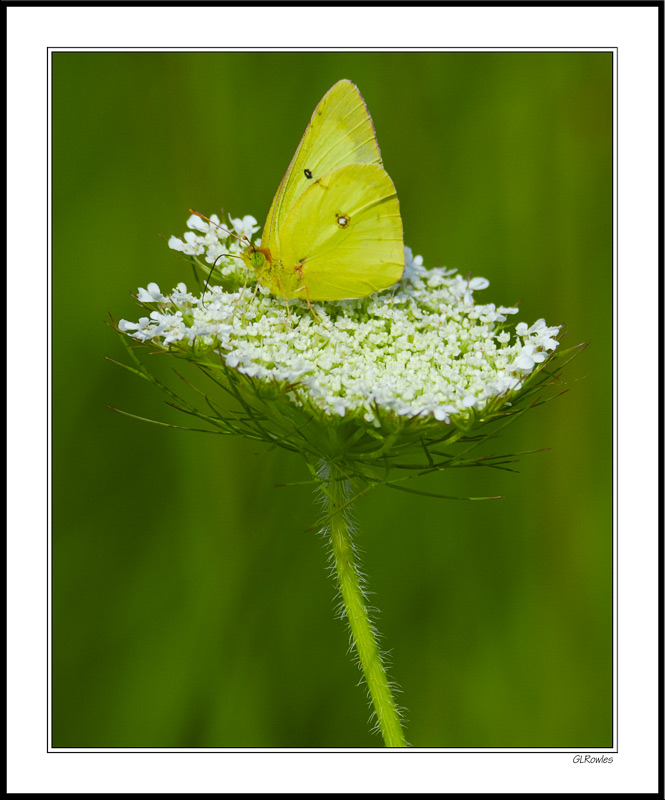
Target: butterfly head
point(258, 258)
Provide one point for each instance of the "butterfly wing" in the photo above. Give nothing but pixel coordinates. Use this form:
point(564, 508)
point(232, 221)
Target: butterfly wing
point(343, 237)
point(339, 133)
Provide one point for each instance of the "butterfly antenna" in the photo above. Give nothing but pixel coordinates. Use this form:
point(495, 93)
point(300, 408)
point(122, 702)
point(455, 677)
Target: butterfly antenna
point(223, 255)
point(217, 225)
point(214, 264)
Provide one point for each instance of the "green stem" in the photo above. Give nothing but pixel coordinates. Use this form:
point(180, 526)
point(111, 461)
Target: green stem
point(336, 492)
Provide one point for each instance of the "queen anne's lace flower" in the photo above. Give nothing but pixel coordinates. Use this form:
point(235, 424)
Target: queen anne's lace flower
point(424, 347)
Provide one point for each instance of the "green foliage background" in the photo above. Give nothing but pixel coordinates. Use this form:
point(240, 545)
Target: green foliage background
point(191, 607)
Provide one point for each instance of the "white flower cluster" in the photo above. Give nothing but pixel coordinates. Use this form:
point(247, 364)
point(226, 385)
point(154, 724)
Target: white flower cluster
point(422, 347)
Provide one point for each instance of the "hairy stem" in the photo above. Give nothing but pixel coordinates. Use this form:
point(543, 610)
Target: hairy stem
point(336, 493)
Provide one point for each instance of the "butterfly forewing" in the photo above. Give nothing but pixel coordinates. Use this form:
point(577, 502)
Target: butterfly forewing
point(343, 237)
point(339, 133)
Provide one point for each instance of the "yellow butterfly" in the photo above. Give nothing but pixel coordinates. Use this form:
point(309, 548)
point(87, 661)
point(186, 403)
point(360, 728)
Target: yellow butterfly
point(334, 229)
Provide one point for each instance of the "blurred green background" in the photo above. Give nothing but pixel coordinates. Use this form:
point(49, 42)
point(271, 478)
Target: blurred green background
point(191, 607)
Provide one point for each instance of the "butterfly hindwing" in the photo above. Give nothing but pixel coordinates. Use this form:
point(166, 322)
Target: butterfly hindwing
point(343, 237)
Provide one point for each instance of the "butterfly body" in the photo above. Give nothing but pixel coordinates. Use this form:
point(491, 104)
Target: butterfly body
point(334, 230)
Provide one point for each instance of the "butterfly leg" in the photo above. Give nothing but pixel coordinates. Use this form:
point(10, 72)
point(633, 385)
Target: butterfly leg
point(298, 268)
point(286, 299)
point(242, 291)
point(309, 304)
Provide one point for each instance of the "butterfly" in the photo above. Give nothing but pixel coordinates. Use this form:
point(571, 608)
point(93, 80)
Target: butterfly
point(334, 229)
